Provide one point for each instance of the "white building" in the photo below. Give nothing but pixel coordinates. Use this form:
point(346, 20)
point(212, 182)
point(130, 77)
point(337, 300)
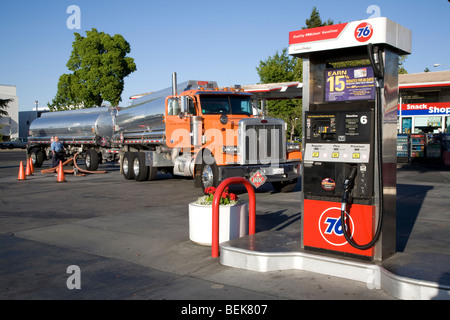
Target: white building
point(9, 126)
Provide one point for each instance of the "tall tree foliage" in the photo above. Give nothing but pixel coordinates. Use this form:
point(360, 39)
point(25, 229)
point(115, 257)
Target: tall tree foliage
point(3, 113)
point(315, 21)
point(283, 68)
point(99, 64)
point(3, 106)
point(401, 68)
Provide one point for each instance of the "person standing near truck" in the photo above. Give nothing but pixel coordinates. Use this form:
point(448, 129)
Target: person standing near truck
point(57, 149)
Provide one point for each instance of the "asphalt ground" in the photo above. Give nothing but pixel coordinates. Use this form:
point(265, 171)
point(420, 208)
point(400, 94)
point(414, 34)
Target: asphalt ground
point(130, 240)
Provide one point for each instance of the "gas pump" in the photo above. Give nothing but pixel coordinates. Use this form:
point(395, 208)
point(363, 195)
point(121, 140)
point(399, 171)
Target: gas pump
point(350, 97)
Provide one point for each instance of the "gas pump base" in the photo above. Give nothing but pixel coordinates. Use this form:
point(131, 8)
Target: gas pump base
point(408, 276)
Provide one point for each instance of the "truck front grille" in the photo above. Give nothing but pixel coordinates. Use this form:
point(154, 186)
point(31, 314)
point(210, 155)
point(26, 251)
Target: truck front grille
point(262, 141)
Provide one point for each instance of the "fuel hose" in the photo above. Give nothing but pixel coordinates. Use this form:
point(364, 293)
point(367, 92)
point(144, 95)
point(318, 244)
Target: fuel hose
point(74, 159)
point(378, 67)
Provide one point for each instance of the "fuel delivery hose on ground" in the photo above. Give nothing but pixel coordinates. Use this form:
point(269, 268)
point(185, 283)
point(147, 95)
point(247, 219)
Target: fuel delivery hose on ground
point(85, 171)
point(74, 159)
point(55, 169)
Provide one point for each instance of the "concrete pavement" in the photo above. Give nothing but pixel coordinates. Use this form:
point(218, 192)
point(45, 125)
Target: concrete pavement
point(130, 240)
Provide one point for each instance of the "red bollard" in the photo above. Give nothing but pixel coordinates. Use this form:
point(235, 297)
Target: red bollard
point(215, 210)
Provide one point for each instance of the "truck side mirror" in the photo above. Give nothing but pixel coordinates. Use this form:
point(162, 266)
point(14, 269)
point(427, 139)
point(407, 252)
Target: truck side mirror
point(184, 107)
point(184, 104)
point(178, 106)
point(173, 106)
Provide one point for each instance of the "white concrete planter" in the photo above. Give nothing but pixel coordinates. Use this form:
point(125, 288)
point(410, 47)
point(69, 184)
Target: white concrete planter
point(233, 222)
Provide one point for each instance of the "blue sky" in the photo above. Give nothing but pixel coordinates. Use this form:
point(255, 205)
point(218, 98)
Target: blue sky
point(205, 40)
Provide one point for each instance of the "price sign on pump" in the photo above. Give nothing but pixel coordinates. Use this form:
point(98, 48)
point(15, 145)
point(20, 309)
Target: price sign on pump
point(344, 84)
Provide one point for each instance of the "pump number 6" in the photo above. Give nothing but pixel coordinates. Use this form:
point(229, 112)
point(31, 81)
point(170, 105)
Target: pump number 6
point(363, 120)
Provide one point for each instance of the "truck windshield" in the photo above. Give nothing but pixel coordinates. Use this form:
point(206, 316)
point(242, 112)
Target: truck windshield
point(223, 104)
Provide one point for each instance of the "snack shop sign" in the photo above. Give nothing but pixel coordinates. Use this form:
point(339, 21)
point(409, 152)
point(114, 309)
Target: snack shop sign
point(423, 109)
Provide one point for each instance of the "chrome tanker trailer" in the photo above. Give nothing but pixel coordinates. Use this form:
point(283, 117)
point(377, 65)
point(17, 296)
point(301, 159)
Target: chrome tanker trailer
point(141, 134)
point(86, 132)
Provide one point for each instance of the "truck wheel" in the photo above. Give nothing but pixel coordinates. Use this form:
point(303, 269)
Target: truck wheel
point(209, 172)
point(37, 157)
point(140, 170)
point(284, 186)
point(127, 167)
point(91, 160)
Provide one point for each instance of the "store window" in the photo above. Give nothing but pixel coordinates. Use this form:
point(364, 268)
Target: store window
point(431, 124)
point(420, 96)
point(406, 125)
point(447, 125)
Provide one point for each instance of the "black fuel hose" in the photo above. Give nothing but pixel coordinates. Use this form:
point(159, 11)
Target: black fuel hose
point(345, 198)
point(379, 73)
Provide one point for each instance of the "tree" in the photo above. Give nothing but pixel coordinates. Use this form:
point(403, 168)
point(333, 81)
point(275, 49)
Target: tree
point(401, 68)
point(3, 106)
point(315, 21)
point(99, 64)
point(280, 68)
point(283, 68)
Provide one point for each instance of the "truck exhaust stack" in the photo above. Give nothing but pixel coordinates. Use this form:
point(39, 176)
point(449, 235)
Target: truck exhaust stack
point(174, 84)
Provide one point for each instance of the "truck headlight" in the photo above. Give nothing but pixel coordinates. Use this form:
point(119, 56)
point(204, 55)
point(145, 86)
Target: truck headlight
point(230, 149)
point(291, 147)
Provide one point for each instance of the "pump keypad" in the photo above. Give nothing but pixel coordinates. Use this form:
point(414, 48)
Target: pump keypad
point(340, 152)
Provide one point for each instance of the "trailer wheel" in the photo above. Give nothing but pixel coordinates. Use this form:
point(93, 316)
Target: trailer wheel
point(209, 171)
point(127, 167)
point(37, 157)
point(91, 160)
point(140, 170)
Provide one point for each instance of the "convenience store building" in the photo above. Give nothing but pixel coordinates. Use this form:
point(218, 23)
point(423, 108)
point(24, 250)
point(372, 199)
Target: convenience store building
point(424, 117)
point(424, 102)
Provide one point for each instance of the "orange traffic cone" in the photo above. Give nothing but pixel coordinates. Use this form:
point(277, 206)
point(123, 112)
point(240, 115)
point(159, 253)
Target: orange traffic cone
point(28, 171)
point(31, 165)
point(61, 177)
point(21, 172)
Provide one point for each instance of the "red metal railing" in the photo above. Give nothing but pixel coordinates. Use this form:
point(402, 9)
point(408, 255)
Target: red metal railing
point(215, 210)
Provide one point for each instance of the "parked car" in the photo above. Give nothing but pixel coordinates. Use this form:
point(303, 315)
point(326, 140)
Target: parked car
point(15, 143)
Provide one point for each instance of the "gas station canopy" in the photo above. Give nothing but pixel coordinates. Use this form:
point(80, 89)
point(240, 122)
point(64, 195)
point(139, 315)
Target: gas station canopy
point(281, 90)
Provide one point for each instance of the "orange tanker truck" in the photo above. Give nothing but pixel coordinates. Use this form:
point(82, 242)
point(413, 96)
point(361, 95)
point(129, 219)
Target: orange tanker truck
point(195, 129)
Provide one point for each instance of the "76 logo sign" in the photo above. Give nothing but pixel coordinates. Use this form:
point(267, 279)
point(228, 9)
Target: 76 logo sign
point(363, 32)
point(330, 226)
point(334, 226)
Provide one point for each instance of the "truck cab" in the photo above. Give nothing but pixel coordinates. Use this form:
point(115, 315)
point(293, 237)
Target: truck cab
point(215, 132)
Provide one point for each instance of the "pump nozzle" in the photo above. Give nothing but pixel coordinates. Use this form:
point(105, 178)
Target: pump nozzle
point(348, 187)
point(376, 60)
point(349, 182)
point(352, 175)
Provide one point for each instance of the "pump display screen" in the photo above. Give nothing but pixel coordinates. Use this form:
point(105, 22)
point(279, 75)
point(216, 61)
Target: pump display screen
point(348, 84)
point(339, 126)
